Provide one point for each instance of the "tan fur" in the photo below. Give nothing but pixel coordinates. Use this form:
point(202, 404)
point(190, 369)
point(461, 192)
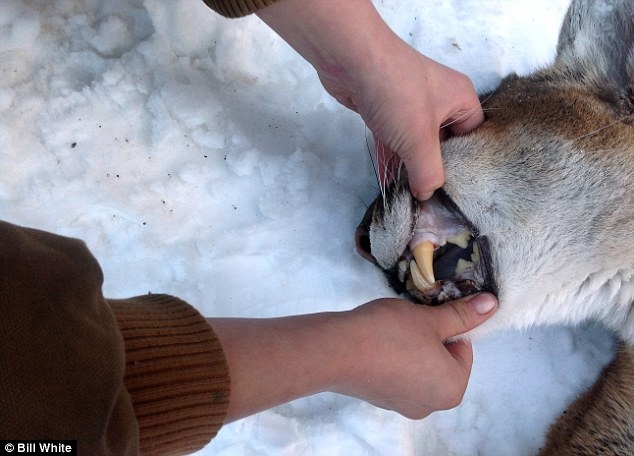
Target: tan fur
point(548, 182)
point(599, 422)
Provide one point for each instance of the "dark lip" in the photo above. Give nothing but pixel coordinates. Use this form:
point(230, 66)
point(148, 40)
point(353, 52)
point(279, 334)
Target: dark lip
point(490, 284)
point(484, 247)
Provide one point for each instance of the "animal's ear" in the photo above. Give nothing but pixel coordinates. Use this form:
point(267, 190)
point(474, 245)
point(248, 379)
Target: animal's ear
point(596, 43)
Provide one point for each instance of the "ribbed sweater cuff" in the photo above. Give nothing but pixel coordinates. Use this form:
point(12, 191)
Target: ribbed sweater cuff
point(237, 8)
point(176, 373)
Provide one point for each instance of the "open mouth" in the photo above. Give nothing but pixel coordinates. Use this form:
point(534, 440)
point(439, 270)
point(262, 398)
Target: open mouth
point(445, 258)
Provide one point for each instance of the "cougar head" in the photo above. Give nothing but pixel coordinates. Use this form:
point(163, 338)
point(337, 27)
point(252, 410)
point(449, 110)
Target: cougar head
point(538, 202)
point(430, 250)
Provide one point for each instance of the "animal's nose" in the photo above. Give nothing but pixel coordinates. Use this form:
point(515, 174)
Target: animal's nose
point(362, 240)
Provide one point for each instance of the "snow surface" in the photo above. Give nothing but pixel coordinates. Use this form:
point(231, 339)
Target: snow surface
point(200, 156)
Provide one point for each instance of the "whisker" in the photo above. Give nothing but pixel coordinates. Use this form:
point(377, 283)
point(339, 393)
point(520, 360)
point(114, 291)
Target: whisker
point(463, 114)
point(383, 180)
point(486, 99)
point(374, 164)
point(382, 176)
point(367, 206)
point(617, 121)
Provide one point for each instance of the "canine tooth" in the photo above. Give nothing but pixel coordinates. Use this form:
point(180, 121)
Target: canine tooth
point(417, 277)
point(424, 256)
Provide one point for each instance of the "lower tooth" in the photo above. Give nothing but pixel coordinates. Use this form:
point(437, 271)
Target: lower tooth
point(421, 283)
point(402, 269)
point(462, 266)
point(424, 255)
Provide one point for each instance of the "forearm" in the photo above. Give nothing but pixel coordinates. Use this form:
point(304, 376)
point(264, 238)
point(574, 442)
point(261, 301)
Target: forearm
point(274, 361)
point(335, 37)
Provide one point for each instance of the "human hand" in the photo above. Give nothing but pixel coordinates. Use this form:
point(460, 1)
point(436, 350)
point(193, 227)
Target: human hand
point(404, 362)
point(389, 352)
point(404, 97)
point(409, 102)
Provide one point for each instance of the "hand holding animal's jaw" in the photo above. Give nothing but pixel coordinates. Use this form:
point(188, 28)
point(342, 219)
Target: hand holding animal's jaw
point(407, 100)
point(400, 359)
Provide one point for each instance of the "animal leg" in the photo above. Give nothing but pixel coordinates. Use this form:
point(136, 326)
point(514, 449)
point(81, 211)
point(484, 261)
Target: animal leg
point(601, 421)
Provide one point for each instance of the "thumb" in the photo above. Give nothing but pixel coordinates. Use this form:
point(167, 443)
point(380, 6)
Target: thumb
point(458, 317)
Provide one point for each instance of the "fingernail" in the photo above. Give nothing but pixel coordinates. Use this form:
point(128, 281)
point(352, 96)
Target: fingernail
point(483, 303)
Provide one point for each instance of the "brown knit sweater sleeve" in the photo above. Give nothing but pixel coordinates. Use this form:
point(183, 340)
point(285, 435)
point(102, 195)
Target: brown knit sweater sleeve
point(237, 8)
point(143, 375)
point(176, 373)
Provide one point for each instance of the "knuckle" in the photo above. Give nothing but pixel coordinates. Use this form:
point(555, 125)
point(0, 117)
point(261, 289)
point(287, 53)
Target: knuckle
point(460, 314)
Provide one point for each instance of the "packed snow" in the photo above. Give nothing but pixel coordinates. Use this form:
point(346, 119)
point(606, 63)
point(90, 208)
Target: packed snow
point(200, 156)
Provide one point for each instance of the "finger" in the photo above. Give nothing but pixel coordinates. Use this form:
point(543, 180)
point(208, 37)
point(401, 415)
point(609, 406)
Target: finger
point(467, 115)
point(466, 120)
point(458, 317)
point(425, 168)
point(387, 163)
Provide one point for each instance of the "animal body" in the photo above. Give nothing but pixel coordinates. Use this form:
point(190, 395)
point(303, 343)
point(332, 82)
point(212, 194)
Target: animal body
point(538, 207)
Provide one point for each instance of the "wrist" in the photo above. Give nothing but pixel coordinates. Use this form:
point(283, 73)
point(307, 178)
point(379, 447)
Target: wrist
point(341, 40)
point(353, 361)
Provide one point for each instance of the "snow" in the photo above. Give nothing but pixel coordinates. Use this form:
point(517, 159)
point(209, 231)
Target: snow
point(200, 156)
